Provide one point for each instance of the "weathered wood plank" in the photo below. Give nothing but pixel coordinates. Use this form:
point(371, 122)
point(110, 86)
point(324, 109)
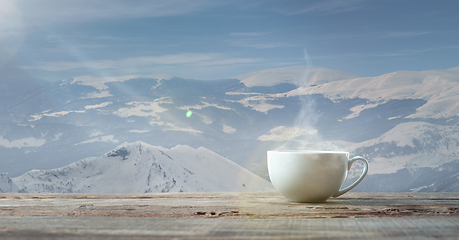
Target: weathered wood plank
point(228, 205)
point(228, 216)
point(206, 228)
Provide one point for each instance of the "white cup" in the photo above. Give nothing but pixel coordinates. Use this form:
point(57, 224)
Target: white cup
point(311, 176)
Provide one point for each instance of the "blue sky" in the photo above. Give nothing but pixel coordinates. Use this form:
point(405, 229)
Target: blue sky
point(211, 39)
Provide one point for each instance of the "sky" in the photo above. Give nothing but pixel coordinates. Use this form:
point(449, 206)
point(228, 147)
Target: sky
point(216, 39)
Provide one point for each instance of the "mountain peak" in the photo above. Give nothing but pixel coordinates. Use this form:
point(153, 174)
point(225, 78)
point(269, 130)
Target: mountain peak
point(139, 167)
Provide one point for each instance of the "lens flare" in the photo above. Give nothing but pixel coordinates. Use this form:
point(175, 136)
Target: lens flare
point(189, 113)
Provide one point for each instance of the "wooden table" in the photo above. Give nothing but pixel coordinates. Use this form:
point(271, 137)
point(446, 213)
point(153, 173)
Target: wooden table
point(228, 216)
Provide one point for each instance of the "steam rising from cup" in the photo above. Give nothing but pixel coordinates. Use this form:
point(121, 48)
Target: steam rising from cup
point(304, 134)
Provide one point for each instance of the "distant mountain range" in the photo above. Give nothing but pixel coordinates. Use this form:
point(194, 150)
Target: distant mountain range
point(141, 168)
point(405, 123)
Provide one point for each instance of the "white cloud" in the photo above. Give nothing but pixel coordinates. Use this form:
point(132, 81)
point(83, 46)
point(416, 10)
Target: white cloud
point(329, 7)
point(138, 63)
point(56, 11)
point(248, 34)
point(395, 53)
point(229, 61)
point(255, 40)
point(258, 43)
point(125, 63)
point(368, 35)
point(398, 34)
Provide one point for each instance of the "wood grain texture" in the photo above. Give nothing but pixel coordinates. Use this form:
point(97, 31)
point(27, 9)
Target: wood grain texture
point(206, 228)
point(228, 216)
point(228, 205)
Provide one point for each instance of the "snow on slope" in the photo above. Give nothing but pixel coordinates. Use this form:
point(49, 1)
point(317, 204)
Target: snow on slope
point(6, 184)
point(99, 82)
point(439, 87)
point(293, 75)
point(139, 167)
point(410, 145)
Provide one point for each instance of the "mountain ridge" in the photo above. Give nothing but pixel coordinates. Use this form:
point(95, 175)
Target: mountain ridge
point(140, 168)
point(298, 75)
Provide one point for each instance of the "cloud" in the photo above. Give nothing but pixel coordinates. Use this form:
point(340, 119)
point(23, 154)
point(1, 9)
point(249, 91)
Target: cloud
point(329, 7)
point(367, 35)
point(255, 40)
point(396, 53)
point(400, 34)
point(252, 43)
point(133, 63)
point(248, 34)
point(230, 61)
point(52, 11)
point(407, 52)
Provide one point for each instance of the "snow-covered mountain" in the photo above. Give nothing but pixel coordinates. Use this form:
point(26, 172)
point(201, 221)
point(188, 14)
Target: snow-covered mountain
point(405, 123)
point(413, 156)
point(141, 168)
point(416, 114)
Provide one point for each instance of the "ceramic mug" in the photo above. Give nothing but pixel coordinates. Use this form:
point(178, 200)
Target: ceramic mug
point(311, 176)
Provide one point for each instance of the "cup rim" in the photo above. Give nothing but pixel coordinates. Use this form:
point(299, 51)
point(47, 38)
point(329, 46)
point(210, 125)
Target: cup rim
point(309, 151)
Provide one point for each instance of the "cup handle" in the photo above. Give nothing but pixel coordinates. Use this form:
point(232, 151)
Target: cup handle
point(364, 173)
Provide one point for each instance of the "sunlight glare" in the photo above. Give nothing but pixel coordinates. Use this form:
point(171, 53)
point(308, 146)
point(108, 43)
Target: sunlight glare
point(11, 30)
